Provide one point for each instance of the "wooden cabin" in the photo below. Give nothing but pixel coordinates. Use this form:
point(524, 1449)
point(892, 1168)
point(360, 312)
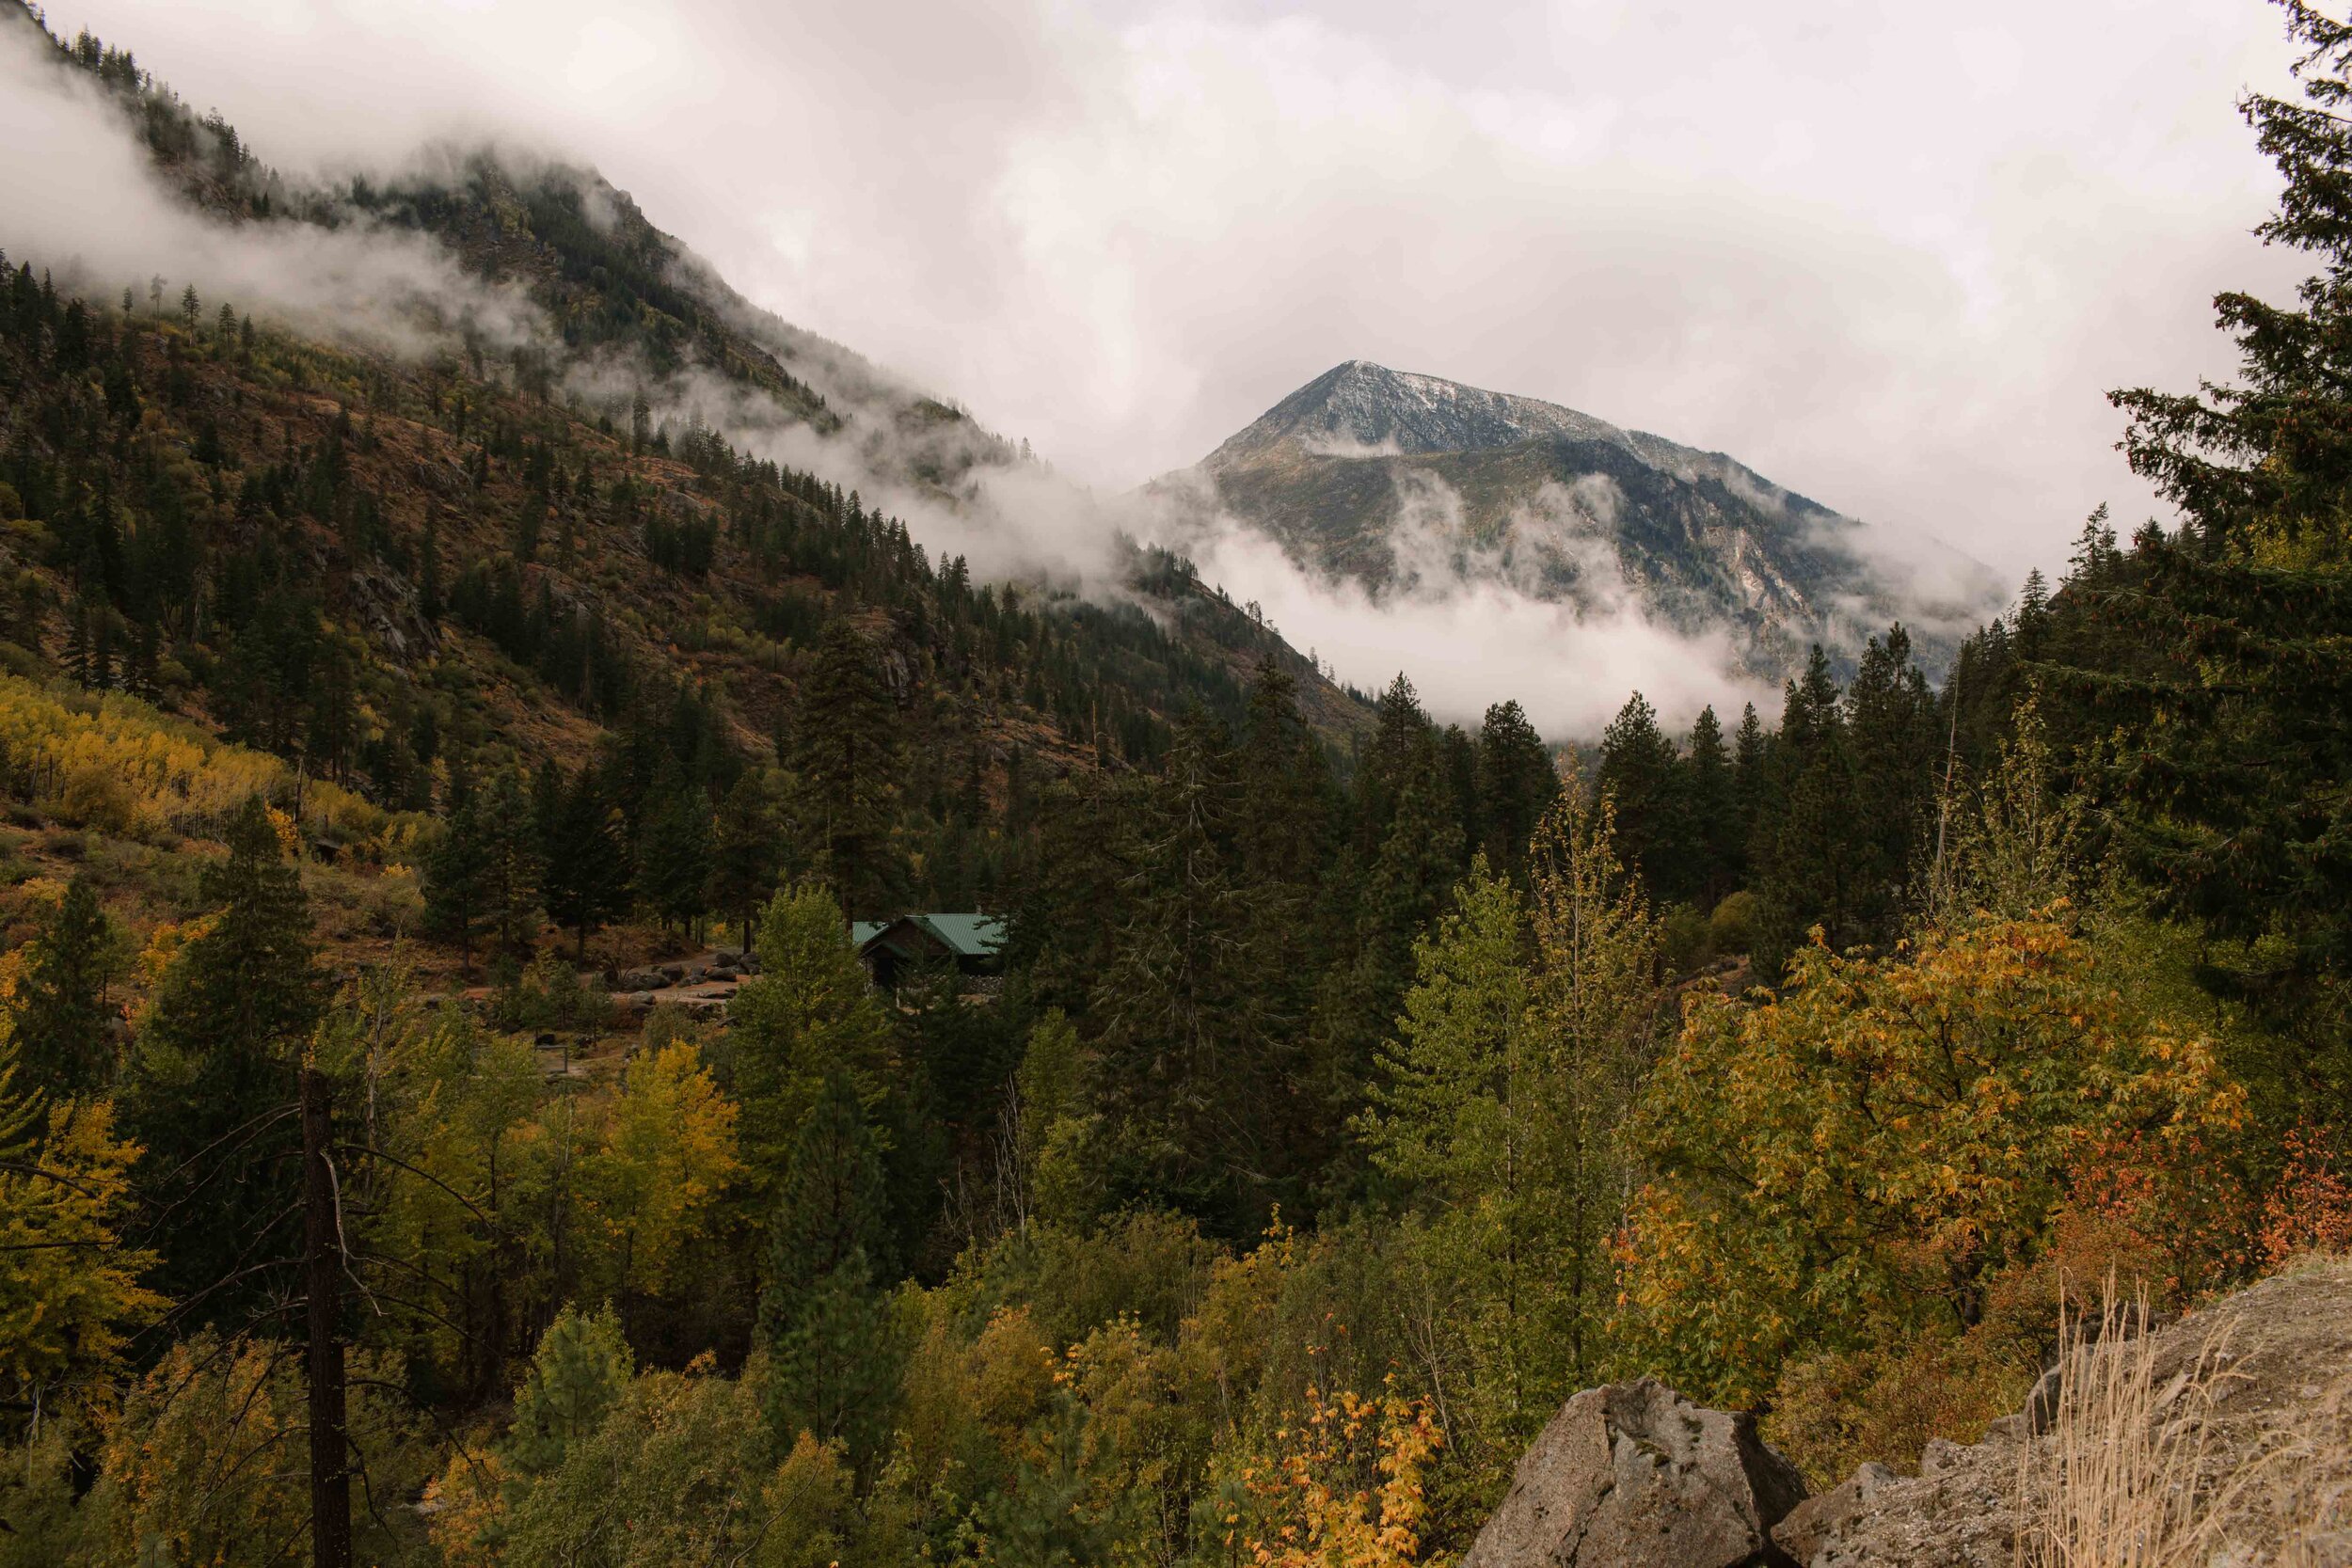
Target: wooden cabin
point(893, 950)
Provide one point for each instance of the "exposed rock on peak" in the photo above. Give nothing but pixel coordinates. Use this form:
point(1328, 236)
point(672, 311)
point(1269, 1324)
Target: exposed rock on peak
point(1411, 482)
point(1363, 410)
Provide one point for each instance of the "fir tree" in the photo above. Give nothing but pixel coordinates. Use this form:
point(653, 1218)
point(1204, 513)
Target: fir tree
point(1516, 782)
point(2231, 785)
point(512, 869)
point(585, 880)
point(1803, 845)
point(746, 855)
point(825, 1324)
point(1749, 781)
point(673, 852)
point(1190, 1040)
point(1640, 772)
point(213, 1074)
point(1405, 886)
point(62, 1019)
point(846, 752)
point(1892, 735)
point(458, 870)
point(1710, 791)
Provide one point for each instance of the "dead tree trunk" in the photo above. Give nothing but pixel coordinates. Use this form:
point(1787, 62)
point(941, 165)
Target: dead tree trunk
point(330, 1486)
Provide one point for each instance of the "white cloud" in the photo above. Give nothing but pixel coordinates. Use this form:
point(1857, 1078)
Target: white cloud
point(1889, 257)
point(87, 207)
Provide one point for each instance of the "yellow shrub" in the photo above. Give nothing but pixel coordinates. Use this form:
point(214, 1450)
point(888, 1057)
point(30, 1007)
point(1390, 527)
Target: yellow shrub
point(114, 763)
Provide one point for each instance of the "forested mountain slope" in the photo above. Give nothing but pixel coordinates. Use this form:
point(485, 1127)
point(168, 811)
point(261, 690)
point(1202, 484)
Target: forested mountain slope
point(376, 693)
point(372, 564)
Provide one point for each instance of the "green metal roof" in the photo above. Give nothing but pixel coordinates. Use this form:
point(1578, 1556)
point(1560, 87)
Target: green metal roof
point(967, 936)
point(970, 936)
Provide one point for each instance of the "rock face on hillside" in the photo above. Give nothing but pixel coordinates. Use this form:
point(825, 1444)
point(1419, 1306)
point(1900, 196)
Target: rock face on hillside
point(2258, 1387)
point(1414, 483)
point(1634, 1474)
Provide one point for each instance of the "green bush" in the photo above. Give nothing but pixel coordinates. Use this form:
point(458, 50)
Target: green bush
point(1732, 928)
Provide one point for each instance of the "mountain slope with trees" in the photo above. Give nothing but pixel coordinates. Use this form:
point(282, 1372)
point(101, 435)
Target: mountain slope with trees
point(1346, 1098)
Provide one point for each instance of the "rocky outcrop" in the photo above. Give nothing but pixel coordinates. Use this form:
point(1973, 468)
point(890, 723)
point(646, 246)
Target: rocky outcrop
point(2265, 1377)
point(1634, 1474)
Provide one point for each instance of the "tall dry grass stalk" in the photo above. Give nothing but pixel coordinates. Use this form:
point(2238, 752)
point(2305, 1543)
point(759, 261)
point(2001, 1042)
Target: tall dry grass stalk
point(2122, 1478)
point(2306, 1505)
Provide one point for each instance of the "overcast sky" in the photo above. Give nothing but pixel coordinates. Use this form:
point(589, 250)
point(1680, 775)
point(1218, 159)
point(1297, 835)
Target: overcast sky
point(1889, 254)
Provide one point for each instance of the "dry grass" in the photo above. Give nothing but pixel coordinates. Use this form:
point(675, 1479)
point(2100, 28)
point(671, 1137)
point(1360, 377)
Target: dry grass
point(2140, 1469)
point(2121, 1480)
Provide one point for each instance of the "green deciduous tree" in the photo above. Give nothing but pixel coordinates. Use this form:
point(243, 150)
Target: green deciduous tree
point(809, 1014)
point(1498, 1107)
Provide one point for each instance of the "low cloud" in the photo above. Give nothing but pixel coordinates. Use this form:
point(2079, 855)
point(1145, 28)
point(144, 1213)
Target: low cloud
point(80, 196)
point(1482, 641)
point(1348, 450)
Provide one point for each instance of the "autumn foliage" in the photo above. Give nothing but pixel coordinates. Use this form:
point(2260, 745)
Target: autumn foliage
point(1873, 1152)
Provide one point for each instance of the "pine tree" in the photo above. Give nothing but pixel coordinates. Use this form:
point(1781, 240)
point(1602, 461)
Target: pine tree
point(1710, 790)
point(1640, 772)
point(846, 752)
point(1516, 782)
point(585, 879)
point(825, 1323)
point(214, 1070)
point(580, 1371)
point(458, 870)
point(747, 856)
point(78, 662)
point(62, 1016)
point(809, 1013)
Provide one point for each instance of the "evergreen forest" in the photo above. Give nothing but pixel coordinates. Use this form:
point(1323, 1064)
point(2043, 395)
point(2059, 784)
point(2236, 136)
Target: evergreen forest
point(1352, 1086)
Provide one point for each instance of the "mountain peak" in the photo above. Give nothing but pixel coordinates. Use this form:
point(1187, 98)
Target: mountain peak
point(1405, 480)
point(1359, 408)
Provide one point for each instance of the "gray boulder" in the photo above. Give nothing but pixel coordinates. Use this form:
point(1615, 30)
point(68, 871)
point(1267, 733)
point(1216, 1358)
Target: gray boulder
point(1635, 1476)
point(1812, 1521)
